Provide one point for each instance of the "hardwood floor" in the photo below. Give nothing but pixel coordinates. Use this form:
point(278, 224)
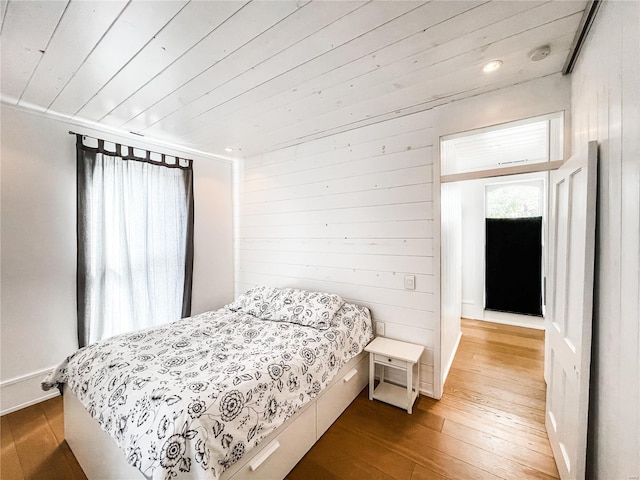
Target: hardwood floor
point(489, 424)
point(33, 445)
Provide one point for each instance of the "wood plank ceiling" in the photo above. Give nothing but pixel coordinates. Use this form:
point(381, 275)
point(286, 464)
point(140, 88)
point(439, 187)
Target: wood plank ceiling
point(260, 75)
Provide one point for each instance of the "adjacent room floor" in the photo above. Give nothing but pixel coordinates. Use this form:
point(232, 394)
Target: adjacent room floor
point(489, 424)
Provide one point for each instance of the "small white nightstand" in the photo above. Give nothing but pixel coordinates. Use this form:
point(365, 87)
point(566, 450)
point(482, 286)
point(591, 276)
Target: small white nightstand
point(399, 355)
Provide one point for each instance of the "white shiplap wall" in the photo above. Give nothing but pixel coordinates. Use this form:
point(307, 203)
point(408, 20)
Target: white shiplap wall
point(606, 108)
point(350, 214)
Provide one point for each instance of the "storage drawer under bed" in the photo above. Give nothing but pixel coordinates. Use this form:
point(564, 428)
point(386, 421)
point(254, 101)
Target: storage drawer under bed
point(279, 456)
point(339, 395)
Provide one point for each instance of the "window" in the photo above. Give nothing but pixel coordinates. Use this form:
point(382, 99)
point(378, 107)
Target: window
point(135, 239)
point(529, 141)
point(515, 200)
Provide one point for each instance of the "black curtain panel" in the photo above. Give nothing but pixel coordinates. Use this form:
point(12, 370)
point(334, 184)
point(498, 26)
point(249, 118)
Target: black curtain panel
point(513, 269)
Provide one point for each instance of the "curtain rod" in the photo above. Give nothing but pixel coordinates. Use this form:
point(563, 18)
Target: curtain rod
point(129, 146)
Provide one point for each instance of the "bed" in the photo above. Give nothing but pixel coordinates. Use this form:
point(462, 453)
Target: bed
point(241, 392)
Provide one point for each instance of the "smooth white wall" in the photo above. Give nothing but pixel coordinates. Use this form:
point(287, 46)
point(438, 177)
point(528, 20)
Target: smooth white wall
point(38, 191)
point(606, 108)
point(354, 212)
point(213, 235)
point(473, 240)
point(451, 273)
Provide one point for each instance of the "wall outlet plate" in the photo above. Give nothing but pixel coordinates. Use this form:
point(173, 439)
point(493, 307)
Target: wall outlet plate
point(380, 329)
point(409, 282)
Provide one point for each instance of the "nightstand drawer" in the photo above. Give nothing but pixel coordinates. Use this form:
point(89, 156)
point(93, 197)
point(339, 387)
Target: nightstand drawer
point(389, 361)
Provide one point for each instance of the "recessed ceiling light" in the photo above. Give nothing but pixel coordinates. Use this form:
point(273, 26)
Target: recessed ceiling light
point(228, 150)
point(492, 66)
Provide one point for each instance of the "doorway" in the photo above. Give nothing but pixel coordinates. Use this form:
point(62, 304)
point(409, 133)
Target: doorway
point(568, 331)
point(503, 227)
point(493, 172)
point(492, 157)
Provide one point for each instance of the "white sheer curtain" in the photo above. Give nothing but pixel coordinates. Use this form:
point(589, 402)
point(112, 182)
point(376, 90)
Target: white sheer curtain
point(135, 222)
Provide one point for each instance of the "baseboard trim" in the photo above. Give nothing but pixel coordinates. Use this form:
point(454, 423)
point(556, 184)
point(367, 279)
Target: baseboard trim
point(514, 320)
point(29, 376)
point(24, 391)
point(47, 396)
point(445, 372)
point(427, 391)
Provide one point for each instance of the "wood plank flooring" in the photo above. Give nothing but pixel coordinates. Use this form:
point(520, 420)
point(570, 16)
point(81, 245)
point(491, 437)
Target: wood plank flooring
point(33, 445)
point(489, 424)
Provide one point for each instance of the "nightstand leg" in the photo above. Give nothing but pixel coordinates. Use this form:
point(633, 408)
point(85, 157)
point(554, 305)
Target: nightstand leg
point(417, 380)
point(372, 375)
point(409, 387)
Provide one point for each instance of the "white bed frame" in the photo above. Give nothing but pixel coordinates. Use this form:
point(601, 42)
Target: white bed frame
point(277, 454)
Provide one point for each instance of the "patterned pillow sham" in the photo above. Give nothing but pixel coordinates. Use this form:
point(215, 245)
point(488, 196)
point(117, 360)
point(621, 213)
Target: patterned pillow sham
point(310, 309)
point(254, 301)
point(357, 321)
point(352, 314)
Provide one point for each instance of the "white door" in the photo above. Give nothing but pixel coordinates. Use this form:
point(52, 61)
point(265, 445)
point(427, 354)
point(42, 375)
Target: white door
point(568, 332)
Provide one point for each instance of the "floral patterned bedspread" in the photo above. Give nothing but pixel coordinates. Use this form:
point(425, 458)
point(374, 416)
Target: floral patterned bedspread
point(189, 399)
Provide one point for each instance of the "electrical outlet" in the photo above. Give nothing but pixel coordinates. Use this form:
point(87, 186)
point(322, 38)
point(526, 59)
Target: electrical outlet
point(409, 282)
point(380, 329)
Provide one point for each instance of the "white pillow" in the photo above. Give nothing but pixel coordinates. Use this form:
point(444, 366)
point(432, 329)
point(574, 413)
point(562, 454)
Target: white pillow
point(254, 301)
point(311, 309)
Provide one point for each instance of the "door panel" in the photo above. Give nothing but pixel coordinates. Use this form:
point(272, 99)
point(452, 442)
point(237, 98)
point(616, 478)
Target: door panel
point(568, 337)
